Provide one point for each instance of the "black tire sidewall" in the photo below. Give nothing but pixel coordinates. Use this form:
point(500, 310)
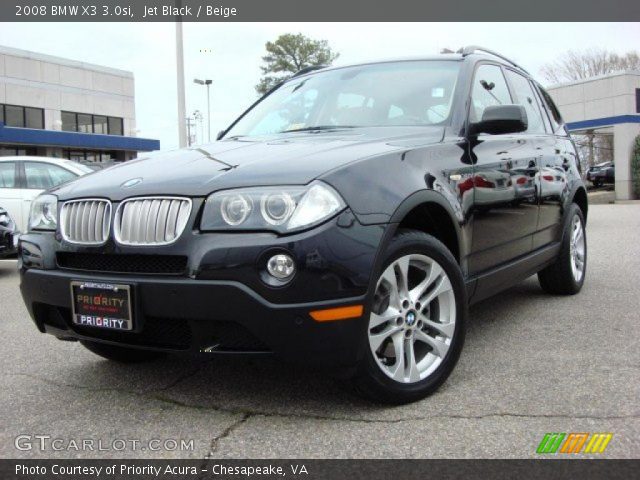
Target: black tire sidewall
point(376, 381)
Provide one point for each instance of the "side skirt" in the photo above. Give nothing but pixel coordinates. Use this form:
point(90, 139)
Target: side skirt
point(500, 278)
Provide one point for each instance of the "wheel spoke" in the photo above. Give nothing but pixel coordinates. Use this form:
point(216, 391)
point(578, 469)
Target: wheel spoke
point(439, 347)
point(443, 286)
point(402, 265)
point(414, 372)
point(376, 339)
point(445, 329)
point(389, 276)
point(398, 344)
point(390, 314)
point(418, 291)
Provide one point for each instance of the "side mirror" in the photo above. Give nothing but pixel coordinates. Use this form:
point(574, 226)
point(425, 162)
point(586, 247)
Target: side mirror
point(501, 119)
point(220, 135)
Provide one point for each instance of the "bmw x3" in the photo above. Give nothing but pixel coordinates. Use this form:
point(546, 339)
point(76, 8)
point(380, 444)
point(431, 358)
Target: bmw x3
point(346, 220)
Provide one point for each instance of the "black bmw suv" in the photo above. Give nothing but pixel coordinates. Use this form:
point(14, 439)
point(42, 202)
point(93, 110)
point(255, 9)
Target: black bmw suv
point(347, 219)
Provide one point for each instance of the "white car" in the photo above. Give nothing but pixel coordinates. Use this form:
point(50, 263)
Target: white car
point(22, 179)
point(553, 182)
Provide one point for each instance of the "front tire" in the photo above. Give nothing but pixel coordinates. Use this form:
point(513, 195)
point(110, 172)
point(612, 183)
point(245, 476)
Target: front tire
point(120, 354)
point(566, 275)
point(415, 329)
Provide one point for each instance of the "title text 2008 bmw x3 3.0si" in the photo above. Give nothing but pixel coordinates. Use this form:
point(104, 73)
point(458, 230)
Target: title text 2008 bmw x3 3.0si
point(347, 219)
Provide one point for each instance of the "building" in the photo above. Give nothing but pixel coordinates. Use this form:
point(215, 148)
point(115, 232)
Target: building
point(55, 107)
point(607, 104)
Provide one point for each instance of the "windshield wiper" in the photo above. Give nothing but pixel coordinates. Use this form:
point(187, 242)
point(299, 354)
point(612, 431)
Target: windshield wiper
point(318, 128)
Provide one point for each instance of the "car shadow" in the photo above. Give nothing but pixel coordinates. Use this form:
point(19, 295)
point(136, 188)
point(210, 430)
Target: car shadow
point(264, 385)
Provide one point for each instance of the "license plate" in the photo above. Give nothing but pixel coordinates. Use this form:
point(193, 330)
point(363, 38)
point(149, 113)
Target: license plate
point(101, 305)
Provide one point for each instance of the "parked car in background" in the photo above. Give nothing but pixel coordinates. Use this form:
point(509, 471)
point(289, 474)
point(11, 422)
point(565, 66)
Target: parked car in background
point(523, 180)
point(8, 237)
point(596, 168)
point(24, 178)
point(605, 175)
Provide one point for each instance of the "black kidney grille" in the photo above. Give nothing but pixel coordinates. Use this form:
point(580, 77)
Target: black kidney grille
point(144, 264)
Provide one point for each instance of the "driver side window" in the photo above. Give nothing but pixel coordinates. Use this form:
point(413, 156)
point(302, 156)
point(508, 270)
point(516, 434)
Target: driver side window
point(489, 89)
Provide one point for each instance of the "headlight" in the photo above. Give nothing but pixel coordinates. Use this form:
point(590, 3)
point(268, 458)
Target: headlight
point(283, 209)
point(44, 213)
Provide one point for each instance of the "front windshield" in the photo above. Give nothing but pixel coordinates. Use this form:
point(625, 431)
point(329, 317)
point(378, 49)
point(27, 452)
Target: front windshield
point(408, 93)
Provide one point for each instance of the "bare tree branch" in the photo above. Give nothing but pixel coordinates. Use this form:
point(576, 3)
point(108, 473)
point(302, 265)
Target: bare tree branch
point(580, 65)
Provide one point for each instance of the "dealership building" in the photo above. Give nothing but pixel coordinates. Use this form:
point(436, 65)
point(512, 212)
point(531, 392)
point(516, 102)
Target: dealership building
point(55, 107)
point(610, 105)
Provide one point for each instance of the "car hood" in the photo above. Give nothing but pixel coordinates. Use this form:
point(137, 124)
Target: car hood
point(284, 159)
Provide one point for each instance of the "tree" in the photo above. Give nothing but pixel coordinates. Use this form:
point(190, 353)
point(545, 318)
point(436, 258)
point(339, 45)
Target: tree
point(635, 166)
point(289, 54)
point(576, 65)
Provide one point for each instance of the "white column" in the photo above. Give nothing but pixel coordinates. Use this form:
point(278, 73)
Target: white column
point(623, 140)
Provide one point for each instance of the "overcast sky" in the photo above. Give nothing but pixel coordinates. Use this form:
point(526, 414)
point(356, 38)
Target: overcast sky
point(148, 50)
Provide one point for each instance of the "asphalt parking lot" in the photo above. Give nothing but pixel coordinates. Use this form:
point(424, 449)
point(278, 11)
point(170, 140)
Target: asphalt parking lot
point(532, 364)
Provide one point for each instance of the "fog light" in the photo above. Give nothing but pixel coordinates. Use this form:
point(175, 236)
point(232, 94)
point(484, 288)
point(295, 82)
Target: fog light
point(281, 266)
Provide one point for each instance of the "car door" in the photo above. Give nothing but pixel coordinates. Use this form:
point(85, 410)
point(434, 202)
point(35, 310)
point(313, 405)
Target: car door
point(505, 201)
point(10, 194)
point(38, 177)
point(557, 172)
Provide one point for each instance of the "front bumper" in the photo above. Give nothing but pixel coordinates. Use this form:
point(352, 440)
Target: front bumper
point(220, 304)
point(7, 241)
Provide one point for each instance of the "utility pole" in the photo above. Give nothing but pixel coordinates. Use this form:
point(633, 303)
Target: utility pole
point(208, 84)
point(197, 115)
point(182, 110)
point(189, 125)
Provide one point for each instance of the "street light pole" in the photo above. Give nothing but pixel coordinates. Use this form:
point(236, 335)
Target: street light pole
point(182, 109)
point(208, 84)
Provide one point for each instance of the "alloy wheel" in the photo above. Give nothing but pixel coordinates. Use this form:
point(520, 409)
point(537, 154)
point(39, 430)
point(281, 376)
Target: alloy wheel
point(577, 248)
point(413, 318)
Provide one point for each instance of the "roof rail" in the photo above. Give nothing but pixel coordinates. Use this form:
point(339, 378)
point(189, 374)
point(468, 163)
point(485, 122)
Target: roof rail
point(475, 48)
point(308, 69)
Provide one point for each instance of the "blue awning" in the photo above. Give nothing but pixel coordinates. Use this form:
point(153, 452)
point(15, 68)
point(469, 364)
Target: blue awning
point(94, 141)
point(602, 122)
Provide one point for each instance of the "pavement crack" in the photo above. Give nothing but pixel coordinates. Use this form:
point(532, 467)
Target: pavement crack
point(225, 433)
point(248, 413)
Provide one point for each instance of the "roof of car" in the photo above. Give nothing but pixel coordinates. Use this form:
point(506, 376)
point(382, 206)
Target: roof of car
point(473, 52)
point(446, 56)
point(63, 162)
point(30, 157)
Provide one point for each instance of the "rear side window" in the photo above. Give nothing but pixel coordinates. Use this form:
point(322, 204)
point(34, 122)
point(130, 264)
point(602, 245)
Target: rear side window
point(43, 175)
point(554, 113)
point(489, 89)
point(526, 97)
point(7, 174)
